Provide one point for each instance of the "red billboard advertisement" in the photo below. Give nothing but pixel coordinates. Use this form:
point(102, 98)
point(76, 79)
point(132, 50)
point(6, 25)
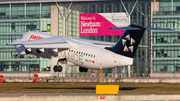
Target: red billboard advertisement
point(98, 24)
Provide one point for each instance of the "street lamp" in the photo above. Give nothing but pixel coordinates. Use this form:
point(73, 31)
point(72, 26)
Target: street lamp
point(174, 68)
point(28, 69)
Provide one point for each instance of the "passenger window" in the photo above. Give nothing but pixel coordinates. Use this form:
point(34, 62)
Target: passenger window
point(94, 56)
point(89, 54)
point(86, 54)
point(71, 50)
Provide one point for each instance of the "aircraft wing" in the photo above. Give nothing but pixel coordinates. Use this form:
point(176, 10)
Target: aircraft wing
point(60, 42)
point(53, 42)
point(95, 42)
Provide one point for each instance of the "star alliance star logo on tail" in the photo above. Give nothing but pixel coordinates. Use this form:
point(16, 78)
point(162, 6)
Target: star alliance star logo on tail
point(127, 48)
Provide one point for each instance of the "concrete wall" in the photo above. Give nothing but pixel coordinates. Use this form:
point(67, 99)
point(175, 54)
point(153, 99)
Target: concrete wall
point(154, 7)
point(54, 19)
point(166, 75)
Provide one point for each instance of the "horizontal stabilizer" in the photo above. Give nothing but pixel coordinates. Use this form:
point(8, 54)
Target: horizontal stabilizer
point(142, 46)
point(150, 28)
point(127, 28)
point(136, 27)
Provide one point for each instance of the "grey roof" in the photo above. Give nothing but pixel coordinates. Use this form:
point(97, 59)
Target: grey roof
point(44, 1)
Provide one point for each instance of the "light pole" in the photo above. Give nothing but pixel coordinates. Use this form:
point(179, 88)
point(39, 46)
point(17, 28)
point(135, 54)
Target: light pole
point(174, 68)
point(28, 69)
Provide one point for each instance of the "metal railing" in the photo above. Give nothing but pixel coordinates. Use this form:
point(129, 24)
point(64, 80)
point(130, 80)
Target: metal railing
point(25, 16)
point(96, 75)
point(166, 13)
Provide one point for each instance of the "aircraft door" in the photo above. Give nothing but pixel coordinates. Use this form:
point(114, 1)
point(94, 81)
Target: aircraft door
point(99, 58)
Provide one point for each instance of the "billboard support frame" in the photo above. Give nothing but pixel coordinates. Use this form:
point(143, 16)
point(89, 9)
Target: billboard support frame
point(129, 14)
point(64, 31)
point(129, 17)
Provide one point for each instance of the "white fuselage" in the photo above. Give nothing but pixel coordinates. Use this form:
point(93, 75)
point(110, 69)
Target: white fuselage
point(88, 56)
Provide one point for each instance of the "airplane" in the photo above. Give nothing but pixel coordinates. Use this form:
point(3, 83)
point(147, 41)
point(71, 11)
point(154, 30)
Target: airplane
point(87, 54)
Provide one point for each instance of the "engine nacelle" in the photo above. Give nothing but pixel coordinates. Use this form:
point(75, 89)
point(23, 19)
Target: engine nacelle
point(40, 50)
point(35, 51)
point(21, 50)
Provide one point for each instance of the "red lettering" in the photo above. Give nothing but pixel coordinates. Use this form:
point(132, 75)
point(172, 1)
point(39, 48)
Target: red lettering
point(31, 37)
point(34, 37)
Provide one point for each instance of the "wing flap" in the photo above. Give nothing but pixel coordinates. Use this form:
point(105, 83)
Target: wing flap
point(63, 45)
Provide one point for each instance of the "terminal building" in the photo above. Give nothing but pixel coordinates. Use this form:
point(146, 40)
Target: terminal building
point(62, 18)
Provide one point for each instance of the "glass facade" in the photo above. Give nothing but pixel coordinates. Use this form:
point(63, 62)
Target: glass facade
point(4, 11)
point(165, 5)
point(166, 43)
point(16, 19)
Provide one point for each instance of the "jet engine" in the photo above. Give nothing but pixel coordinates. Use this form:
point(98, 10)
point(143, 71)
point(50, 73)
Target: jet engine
point(22, 50)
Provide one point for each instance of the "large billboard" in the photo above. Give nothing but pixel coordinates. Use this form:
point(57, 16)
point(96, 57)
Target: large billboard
point(98, 24)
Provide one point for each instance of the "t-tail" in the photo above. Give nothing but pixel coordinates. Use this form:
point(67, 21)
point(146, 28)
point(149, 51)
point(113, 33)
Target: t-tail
point(129, 41)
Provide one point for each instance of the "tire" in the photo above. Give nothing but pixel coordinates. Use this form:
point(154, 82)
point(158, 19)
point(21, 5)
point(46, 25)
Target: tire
point(55, 69)
point(59, 68)
point(85, 70)
point(81, 69)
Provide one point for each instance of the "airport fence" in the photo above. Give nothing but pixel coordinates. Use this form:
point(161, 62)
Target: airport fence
point(75, 75)
point(118, 75)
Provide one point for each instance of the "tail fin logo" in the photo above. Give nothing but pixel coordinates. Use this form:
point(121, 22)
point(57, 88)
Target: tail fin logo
point(130, 47)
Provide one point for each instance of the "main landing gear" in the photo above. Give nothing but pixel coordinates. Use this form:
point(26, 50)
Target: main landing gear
point(57, 68)
point(81, 69)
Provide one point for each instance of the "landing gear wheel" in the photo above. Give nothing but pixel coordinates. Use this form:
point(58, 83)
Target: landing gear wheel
point(81, 69)
point(57, 68)
point(85, 70)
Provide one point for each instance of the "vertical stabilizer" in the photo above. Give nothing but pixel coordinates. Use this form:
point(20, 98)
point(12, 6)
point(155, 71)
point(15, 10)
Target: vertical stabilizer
point(129, 41)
